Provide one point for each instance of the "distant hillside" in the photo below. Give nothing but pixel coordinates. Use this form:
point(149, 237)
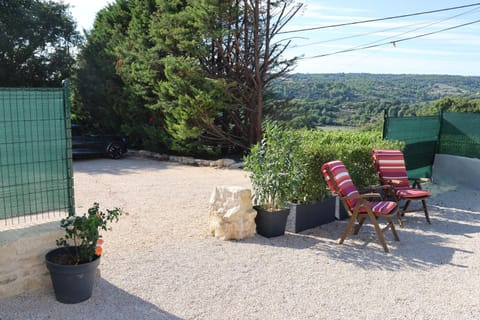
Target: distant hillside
point(356, 99)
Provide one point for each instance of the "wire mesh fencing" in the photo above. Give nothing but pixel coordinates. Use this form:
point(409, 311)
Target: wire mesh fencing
point(460, 134)
point(454, 133)
point(36, 175)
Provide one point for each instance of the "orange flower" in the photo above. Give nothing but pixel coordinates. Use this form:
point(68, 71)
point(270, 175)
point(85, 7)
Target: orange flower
point(99, 242)
point(98, 251)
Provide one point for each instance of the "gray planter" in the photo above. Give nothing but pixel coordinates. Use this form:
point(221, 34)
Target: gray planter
point(340, 211)
point(310, 215)
point(71, 283)
point(271, 223)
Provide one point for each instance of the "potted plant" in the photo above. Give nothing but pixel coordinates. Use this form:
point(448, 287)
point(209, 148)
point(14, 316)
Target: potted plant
point(74, 263)
point(273, 174)
point(311, 205)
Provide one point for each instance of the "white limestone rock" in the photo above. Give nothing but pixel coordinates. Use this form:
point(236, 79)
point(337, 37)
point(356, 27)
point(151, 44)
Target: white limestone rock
point(232, 216)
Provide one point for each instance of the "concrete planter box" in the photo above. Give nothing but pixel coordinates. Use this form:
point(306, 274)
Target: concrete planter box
point(310, 215)
point(271, 223)
point(340, 211)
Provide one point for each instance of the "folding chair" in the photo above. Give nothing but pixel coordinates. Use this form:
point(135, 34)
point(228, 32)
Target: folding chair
point(359, 206)
point(390, 167)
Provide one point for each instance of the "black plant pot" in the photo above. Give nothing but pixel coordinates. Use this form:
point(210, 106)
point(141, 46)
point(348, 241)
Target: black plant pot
point(342, 213)
point(271, 223)
point(71, 283)
point(310, 215)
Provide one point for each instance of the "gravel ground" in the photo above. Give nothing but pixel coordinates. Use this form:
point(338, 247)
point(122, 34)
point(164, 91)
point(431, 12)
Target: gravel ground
point(160, 262)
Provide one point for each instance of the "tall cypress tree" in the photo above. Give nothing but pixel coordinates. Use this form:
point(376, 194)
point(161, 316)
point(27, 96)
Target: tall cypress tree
point(98, 90)
point(193, 73)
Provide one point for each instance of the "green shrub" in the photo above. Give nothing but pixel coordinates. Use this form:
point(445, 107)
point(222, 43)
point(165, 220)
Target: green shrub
point(285, 166)
point(274, 167)
point(353, 148)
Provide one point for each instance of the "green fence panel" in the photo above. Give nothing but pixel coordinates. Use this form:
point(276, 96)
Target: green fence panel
point(460, 134)
point(35, 152)
point(420, 135)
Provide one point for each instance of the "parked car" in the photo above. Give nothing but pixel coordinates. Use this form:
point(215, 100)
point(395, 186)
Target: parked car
point(86, 144)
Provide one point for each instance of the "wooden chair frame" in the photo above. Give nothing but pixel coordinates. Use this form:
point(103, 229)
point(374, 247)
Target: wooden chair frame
point(390, 192)
point(355, 214)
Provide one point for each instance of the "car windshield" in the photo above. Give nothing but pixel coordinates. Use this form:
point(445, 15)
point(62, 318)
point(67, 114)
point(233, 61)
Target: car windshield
point(78, 130)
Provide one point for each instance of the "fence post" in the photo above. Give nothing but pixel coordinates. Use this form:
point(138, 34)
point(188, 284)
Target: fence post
point(68, 151)
point(385, 124)
point(439, 136)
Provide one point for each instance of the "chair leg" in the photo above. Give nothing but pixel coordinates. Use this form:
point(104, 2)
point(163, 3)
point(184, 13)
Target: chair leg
point(424, 204)
point(359, 225)
point(405, 207)
point(399, 218)
point(350, 224)
point(392, 227)
point(379, 231)
point(401, 213)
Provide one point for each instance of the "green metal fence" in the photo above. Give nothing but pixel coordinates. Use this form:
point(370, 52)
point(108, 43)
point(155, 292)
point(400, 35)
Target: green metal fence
point(420, 135)
point(448, 133)
point(460, 134)
point(35, 152)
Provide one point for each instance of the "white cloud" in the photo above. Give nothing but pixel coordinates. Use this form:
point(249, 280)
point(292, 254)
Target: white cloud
point(312, 9)
point(84, 11)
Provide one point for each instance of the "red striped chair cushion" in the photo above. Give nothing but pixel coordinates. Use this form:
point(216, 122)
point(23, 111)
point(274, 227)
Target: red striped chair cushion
point(412, 193)
point(380, 207)
point(346, 188)
point(390, 165)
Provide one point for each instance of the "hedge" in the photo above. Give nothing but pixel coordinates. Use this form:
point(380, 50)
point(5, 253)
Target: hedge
point(353, 148)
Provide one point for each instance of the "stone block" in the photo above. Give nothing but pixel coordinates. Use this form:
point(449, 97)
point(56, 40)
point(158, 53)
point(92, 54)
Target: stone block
point(22, 251)
point(182, 160)
point(224, 163)
point(146, 154)
point(161, 157)
point(237, 165)
point(231, 213)
point(8, 278)
point(202, 163)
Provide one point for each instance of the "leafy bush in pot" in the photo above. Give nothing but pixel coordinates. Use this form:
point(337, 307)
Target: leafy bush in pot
point(275, 167)
point(285, 165)
point(82, 234)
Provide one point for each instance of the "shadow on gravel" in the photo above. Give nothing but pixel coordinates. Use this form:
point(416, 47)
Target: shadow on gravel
point(107, 302)
point(421, 246)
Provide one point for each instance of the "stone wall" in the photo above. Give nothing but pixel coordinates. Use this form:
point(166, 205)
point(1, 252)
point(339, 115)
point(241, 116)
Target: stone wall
point(456, 170)
point(22, 254)
point(220, 163)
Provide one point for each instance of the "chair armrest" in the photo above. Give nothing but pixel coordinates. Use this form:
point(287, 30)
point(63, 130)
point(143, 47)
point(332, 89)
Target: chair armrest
point(375, 188)
point(369, 189)
point(417, 182)
point(370, 195)
point(362, 196)
point(392, 181)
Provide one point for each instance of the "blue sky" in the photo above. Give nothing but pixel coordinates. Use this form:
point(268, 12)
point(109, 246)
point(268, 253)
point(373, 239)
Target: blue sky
point(452, 52)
